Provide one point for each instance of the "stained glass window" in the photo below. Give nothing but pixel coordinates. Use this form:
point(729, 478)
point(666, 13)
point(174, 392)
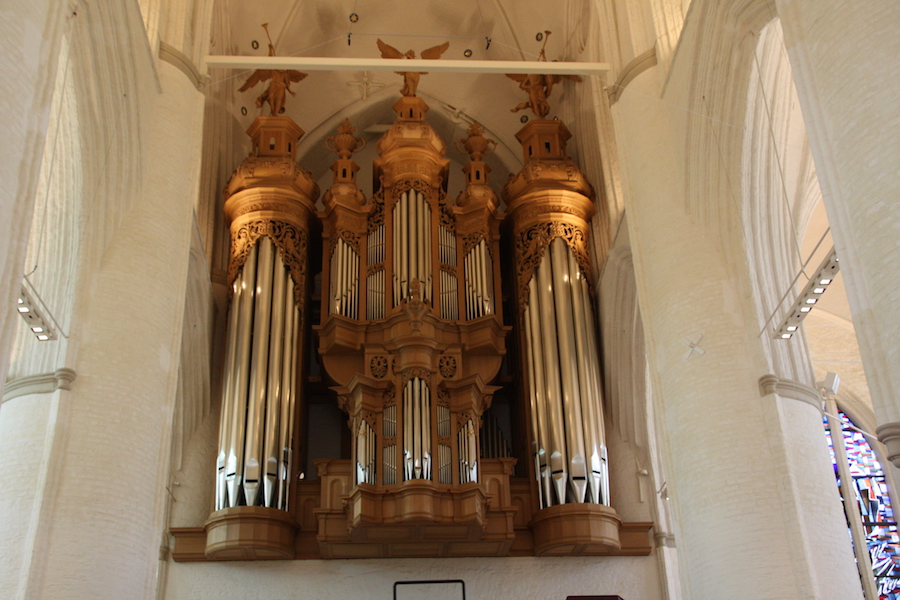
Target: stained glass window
point(871, 492)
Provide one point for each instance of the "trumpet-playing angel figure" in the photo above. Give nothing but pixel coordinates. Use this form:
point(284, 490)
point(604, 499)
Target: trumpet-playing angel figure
point(538, 86)
point(279, 83)
point(411, 78)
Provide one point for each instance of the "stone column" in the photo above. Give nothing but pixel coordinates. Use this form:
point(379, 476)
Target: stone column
point(96, 481)
point(844, 58)
point(749, 473)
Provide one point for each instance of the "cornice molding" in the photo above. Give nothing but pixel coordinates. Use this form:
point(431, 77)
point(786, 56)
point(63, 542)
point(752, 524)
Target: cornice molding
point(45, 383)
point(787, 388)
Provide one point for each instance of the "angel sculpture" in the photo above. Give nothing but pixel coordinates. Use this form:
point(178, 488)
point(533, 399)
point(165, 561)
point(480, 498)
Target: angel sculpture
point(279, 83)
point(411, 78)
point(538, 86)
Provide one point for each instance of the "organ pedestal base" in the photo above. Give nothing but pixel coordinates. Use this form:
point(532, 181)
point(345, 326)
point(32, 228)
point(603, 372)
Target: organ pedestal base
point(576, 530)
point(417, 517)
point(511, 526)
point(250, 533)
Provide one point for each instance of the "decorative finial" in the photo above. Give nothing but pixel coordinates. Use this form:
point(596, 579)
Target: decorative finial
point(411, 78)
point(476, 145)
point(345, 143)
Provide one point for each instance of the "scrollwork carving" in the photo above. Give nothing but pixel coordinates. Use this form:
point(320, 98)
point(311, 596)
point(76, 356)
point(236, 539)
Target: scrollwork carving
point(376, 217)
point(471, 240)
point(532, 243)
point(292, 241)
point(370, 418)
point(411, 184)
point(351, 238)
point(443, 397)
point(414, 372)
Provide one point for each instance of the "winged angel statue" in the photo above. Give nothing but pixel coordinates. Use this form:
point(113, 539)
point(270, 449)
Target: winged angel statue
point(538, 86)
point(279, 83)
point(411, 78)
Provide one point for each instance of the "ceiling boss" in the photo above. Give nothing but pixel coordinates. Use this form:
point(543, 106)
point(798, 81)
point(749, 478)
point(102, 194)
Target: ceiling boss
point(279, 82)
point(411, 78)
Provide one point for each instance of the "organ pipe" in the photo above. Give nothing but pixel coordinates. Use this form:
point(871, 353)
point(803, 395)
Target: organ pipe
point(344, 280)
point(412, 245)
point(258, 395)
point(274, 397)
point(561, 346)
point(417, 429)
point(479, 282)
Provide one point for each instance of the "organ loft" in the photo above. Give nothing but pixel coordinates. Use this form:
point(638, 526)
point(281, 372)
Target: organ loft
point(422, 300)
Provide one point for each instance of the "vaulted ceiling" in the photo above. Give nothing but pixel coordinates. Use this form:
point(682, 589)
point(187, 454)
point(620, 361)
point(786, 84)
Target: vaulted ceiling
point(324, 28)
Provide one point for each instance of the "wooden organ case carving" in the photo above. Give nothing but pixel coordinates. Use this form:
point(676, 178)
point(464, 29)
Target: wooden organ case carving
point(412, 332)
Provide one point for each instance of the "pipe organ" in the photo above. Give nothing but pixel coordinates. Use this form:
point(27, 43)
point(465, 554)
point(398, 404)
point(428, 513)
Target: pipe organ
point(411, 336)
point(412, 370)
point(270, 208)
point(550, 205)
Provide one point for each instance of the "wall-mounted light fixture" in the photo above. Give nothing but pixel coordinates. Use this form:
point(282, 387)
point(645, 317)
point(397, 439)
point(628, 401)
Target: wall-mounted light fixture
point(27, 308)
point(811, 293)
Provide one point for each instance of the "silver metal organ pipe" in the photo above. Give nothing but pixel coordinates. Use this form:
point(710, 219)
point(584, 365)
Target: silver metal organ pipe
point(406, 419)
point(557, 441)
point(274, 389)
point(235, 462)
point(372, 454)
point(421, 231)
point(418, 464)
point(533, 315)
point(593, 359)
point(476, 290)
point(258, 372)
point(476, 283)
point(404, 247)
point(488, 279)
point(336, 280)
point(354, 283)
point(426, 428)
point(397, 249)
point(285, 430)
point(345, 278)
point(228, 393)
point(389, 428)
point(537, 449)
point(467, 262)
point(587, 380)
point(425, 260)
point(568, 368)
point(479, 276)
point(415, 243)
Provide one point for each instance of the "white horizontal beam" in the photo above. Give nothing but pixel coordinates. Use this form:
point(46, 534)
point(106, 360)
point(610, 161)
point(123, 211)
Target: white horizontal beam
point(301, 63)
